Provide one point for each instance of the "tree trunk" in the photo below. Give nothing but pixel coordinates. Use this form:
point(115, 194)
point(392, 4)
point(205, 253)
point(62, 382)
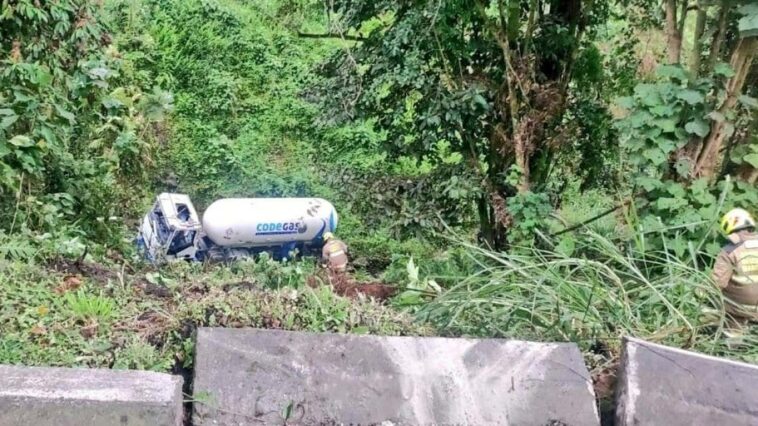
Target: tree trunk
point(522, 161)
point(719, 36)
point(742, 59)
point(683, 13)
point(673, 36)
point(697, 45)
point(530, 26)
point(514, 21)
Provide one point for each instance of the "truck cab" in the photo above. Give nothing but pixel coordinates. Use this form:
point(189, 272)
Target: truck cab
point(170, 229)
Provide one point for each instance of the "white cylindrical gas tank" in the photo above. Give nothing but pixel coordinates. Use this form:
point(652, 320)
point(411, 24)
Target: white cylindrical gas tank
point(259, 222)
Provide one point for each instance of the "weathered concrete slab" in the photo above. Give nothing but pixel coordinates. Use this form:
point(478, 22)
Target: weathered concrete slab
point(75, 397)
point(659, 385)
point(249, 376)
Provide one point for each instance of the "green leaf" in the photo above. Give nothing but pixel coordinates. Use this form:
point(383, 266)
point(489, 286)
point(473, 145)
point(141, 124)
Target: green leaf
point(287, 411)
point(639, 118)
point(748, 25)
point(705, 198)
point(751, 159)
point(65, 114)
point(723, 69)
point(647, 183)
point(656, 155)
point(648, 94)
point(748, 9)
point(112, 103)
point(662, 110)
point(44, 78)
point(653, 133)
point(671, 204)
point(692, 97)
point(48, 134)
point(749, 101)
point(681, 136)
point(409, 298)
point(100, 72)
point(678, 246)
point(21, 141)
point(699, 185)
point(566, 246)
point(20, 95)
point(675, 189)
point(672, 71)
point(666, 145)
point(413, 274)
point(698, 127)
point(479, 99)
point(7, 121)
point(626, 102)
point(667, 125)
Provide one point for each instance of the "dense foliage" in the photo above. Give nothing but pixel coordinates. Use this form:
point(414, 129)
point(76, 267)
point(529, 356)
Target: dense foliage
point(506, 105)
point(482, 121)
point(501, 103)
point(77, 135)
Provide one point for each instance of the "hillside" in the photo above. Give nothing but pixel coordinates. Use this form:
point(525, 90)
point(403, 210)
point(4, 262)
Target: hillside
point(526, 171)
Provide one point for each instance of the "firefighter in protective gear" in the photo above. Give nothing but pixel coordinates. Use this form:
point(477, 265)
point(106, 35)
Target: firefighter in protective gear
point(736, 268)
point(334, 253)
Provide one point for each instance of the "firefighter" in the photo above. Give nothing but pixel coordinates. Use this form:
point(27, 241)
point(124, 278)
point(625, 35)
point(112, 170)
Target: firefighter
point(334, 253)
point(736, 268)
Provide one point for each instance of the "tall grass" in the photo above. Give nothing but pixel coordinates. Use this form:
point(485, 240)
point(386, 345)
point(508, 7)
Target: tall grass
point(603, 291)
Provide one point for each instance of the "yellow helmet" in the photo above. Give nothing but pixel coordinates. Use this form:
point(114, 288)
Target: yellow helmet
point(736, 220)
point(328, 236)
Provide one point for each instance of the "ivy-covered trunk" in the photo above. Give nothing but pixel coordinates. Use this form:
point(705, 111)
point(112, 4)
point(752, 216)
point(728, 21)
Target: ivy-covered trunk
point(741, 62)
point(694, 126)
point(529, 103)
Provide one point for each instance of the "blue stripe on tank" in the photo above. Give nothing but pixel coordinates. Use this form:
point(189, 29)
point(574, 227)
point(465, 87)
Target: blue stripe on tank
point(320, 235)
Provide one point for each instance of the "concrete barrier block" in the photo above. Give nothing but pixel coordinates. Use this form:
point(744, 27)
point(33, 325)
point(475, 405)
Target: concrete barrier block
point(250, 376)
point(44, 396)
point(659, 385)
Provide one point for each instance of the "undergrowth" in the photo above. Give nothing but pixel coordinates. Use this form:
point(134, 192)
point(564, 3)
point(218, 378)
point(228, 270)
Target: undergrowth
point(602, 292)
point(110, 317)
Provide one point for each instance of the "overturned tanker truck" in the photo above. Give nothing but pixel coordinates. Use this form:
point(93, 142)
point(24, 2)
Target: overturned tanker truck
point(234, 228)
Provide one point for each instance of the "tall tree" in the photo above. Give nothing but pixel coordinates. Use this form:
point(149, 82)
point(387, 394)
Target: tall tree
point(489, 78)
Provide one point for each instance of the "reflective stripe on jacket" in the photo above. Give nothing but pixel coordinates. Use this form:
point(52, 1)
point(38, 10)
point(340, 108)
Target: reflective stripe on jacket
point(736, 269)
point(334, 254)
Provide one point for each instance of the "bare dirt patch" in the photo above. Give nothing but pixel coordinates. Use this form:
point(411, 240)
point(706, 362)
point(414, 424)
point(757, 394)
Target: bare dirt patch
point(344, 285)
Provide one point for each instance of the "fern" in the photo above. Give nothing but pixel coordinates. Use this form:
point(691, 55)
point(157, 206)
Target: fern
point(16, 247)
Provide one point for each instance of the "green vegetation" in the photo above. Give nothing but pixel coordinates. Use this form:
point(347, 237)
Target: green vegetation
point(609, 291)
point(117, 318)
point(457, 139)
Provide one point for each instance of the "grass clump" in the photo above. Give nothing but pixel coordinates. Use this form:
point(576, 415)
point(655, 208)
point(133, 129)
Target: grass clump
point(601, 292)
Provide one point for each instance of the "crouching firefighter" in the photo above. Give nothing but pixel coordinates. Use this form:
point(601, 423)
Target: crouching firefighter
point(334, 253)
point(736, 268)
